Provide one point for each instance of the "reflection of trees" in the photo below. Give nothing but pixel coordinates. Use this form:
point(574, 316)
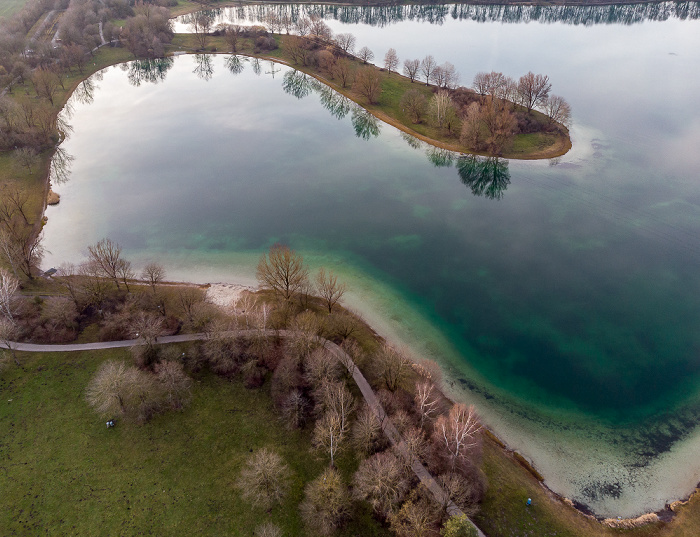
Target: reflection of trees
point(365, 124)
point(85, 92)
point(60, 166)
point(441, 158)
point(257, 68)
point(204, 67)
point(336, 103)
point(414, 142)
point(151, 70)
point(488, 177)
point(438, 14)
point(297, 83)
point(235, 64)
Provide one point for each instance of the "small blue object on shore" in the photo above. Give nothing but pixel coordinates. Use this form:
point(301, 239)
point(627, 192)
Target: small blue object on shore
point(110, 423)
point(529, 501)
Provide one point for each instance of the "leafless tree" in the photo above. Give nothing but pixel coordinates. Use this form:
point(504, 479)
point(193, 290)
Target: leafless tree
point(457, 433)
point(336, 398)
point(9, 285)
point(326, 503)
point(414, 103)
point(391, 60)
point(380, 481)
point(438, 76)
point(9, 332)
point(201, 24)
point(392, 366)
point(410, 68)
point(346, 42)
point(106, 255)
point(329, 289)
point(319, 29)
point(427, 66)
point(427, 401)
point(174, 383)
point(367, 432)
point(533, 89)
point(557, 110)
point(451, 76)
point(153, 273)
point(302, 26)
point(416, 518)
point(46, 83)
point(461, 490)
point(121, 390)
point(264, 480)
point(343, 72)
point(321, 368)
point(27, 157)
point(21, 248)
point(329, 434)
point(188, 298)
point(341, 326)
point(365, 54)
point(232, 34)
point(282, 270)
point(368, 84)
point(441, 109)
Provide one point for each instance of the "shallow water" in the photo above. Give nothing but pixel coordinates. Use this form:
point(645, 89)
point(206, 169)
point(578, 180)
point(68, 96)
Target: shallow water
point(564, 304)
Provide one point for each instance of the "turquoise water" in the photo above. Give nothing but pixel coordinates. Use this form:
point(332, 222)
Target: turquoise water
point(561, 296)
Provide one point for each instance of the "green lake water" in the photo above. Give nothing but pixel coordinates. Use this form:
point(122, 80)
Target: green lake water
point(561, 297)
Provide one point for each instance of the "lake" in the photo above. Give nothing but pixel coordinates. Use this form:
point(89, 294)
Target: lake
point(560, 296)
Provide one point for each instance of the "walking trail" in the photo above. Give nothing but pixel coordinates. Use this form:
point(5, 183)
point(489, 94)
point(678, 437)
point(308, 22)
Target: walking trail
point(370, 397)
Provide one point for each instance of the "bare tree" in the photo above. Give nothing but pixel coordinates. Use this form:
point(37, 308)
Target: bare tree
point(27, 157)
point(365, 54)
point(557, 110)
point(441, 110)
point(427, 401)
point(21, 248)
point(427, 66)
point(106, 255)
point(335, 397)
point(319, 29)
point(321, 368)
point(368, 84)
point(46, 83)
point(153, 273)
point(451, 76)
point(9, 285)
point(391, 60)
point(461, 490)
point(414, 103)
point(329, 289)
point(201, 24)
point(346, 42)
point(533, 89)
point(367, 432)
point(416, 518)
point(329, 434)
point(326, 503)
point(456, 433)
point(9, 332)
point(174, 382)
point(343, 72)
point(282, 270)
point(410, 68)
point(232, 34)
point(392, 366)
point(264, 480)
point(120, 390)
point(380, 481)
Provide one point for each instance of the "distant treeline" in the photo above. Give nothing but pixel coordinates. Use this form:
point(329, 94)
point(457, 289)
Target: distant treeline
point(577, 13)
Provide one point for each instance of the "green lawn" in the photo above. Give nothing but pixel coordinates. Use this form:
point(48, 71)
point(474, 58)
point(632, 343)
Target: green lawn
point(64, 470)
point(10, 7)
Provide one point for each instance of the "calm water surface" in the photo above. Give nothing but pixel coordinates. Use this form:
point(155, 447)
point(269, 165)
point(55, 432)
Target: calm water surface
point(561, 296)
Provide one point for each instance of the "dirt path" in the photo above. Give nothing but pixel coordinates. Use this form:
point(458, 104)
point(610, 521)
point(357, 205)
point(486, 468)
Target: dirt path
point(368, 394)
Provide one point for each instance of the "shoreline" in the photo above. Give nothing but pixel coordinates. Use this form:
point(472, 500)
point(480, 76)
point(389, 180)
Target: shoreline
point(232, 289)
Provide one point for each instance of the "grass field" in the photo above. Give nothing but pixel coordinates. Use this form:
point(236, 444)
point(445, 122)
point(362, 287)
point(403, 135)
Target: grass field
point(63, 469)
point(10, 7)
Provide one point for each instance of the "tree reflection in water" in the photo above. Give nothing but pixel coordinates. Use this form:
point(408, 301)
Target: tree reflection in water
point(484, 176)
point(151, 70)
